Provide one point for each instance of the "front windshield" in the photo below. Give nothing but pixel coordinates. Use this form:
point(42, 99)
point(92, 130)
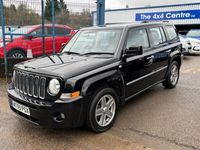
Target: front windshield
point(194, 33)
point(94, 41)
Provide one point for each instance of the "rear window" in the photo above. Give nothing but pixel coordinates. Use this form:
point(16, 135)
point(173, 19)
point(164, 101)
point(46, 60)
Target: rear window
point(171, 32)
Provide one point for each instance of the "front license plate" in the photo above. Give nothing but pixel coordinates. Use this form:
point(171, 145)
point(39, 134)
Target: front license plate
point(21, 108)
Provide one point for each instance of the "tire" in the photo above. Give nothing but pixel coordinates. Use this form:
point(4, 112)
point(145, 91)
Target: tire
point(17, 53)
point(173, 76)
point(101, 118)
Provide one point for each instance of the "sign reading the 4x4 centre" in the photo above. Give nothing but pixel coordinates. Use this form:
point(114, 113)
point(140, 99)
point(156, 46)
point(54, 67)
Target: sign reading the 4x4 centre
point(169, 15)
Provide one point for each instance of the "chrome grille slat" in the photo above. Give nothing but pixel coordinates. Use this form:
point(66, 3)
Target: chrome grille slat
point(34, 86)
point(20, 82)
point(30, 85)
point(16, 80)
point(25, 84)
point(42, 87)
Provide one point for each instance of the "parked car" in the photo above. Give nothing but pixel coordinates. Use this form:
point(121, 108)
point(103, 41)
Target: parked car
point(194, 33)
point(100, 69)
point(18, 45)
point(195, 46)
point(186, 45)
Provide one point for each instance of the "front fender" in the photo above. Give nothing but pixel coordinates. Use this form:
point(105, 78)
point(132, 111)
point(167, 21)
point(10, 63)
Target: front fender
point(109, 77)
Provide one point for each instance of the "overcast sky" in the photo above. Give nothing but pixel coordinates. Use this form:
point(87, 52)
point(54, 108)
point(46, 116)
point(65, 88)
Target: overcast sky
point(138, 3)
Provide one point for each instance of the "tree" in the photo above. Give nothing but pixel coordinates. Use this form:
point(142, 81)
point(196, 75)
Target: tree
point(63, 16)
point(20, 15)
point(48, 9)
point(78, 20)
point(63, 5)
point(13, 8)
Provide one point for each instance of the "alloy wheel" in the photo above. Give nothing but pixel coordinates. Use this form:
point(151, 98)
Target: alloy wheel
point(105, 110)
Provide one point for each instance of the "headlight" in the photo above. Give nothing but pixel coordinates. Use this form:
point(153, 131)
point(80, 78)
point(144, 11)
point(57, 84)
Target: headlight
point(13, 77)
point(54, 87)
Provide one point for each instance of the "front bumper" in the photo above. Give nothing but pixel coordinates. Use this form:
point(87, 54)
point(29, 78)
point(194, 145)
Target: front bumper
point(48, 114)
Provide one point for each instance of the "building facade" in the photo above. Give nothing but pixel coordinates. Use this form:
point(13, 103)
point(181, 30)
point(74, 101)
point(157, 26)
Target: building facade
point(184, 16)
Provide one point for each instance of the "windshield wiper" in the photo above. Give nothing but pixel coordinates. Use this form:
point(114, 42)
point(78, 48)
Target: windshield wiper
point(60, 58)
point(97, 53)
point(69, 52)
point(50, 58)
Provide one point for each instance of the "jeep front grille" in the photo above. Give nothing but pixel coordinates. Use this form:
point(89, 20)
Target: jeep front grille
point(31, 85)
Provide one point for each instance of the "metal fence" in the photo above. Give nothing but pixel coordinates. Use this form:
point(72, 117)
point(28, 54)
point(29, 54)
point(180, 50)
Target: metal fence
point(36, 28)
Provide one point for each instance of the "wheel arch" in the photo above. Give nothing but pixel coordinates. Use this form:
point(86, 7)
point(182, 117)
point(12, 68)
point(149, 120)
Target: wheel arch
point(176, 57)
point(16, 48)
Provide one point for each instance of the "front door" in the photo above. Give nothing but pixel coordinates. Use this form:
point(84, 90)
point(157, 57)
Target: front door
point(137, 67)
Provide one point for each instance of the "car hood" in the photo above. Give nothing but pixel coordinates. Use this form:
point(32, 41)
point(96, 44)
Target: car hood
point(194, 39)
point(65, 65)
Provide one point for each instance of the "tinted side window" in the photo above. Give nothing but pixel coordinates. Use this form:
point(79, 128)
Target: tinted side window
point(66, 31)
point(171, 32)
point(137, 38)
point(37, 31)
point(49, 30)
point(59, 31)
point(163, 34)
point(156, 36)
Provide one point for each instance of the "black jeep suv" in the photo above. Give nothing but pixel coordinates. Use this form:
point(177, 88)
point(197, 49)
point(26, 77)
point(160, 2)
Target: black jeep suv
point(96, 72)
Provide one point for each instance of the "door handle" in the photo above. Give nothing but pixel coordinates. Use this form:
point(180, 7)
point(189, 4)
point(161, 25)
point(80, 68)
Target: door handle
point(149, 61)
point(168, 51)
point(150, 57)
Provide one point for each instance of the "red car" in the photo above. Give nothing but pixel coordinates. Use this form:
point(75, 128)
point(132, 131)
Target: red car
point(21, 44)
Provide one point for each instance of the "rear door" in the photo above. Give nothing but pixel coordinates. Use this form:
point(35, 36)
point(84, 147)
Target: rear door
point(159, 54)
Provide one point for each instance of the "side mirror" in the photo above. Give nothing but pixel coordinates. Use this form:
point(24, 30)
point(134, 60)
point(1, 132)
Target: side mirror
point(62, 46)
point(133, 51)
point(30, 37)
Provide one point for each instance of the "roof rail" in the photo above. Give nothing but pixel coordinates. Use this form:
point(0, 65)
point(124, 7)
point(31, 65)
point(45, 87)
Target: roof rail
point(118, 23)
point(147, 21)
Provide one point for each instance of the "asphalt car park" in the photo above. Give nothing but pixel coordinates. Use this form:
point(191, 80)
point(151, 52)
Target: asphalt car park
point(158, 119)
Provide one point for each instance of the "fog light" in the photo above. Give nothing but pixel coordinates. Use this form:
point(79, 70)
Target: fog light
point(59, 117)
